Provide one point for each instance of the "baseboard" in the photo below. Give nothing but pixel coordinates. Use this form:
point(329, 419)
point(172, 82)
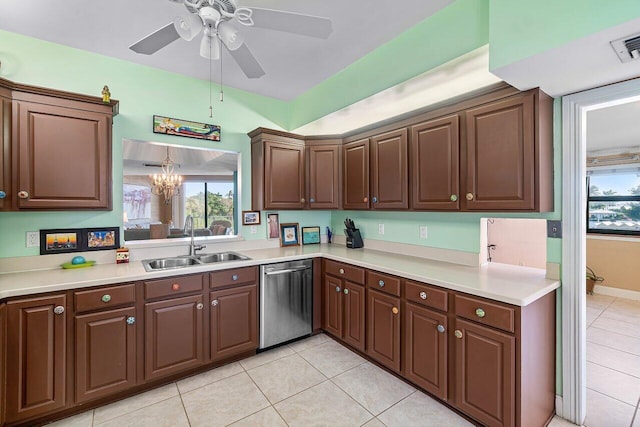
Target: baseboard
point(617, 292)
point(559, 406)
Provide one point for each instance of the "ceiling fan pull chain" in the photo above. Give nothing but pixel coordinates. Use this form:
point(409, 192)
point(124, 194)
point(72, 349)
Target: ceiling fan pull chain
point(211, 78)
point(221, 92)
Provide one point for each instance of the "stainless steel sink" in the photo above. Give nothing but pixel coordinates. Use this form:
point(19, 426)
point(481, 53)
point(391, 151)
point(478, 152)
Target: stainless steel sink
point(188, 261)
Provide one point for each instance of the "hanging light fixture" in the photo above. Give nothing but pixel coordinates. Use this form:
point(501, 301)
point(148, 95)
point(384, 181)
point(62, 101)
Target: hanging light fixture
point(167, 183)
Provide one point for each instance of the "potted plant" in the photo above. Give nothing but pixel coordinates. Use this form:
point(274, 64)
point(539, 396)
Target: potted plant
point(592, 279)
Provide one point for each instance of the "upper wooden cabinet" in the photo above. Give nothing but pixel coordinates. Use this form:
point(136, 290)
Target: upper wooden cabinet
point(46, 132)
point(389, 176)
point(509, 154)
point(356, 175)
point(435, 164)
point(323, 175)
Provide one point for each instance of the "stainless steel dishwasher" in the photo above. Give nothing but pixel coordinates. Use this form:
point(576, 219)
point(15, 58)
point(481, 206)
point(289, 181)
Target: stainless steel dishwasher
point(286, 301)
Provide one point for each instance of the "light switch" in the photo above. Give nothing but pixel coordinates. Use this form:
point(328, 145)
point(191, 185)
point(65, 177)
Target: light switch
point(380, 228)
point(33, 239)
point(423, 232)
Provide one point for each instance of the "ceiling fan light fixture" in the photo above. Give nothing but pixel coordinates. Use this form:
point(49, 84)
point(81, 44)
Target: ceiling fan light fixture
point(230, 36)
point(210, 46)
point(188, 27)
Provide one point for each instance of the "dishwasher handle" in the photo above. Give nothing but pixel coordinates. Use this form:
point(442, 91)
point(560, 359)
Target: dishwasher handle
point(285, 271)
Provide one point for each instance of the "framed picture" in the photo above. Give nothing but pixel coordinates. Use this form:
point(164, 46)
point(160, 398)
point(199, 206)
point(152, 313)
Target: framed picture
point(60, 241)
point(250, 217)
point(289, 234)
point(99, 239)
point(310, 235)
point(273, 229)
point(179, 127)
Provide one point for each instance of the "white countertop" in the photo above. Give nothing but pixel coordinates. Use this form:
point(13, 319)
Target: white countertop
point(510, 284)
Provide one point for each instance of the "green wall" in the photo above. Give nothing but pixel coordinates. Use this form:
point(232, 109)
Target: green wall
point(522, 28)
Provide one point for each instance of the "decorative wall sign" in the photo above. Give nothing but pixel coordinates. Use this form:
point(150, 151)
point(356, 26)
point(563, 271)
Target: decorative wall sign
point(250, 217)
point(60, 241)
point(289, 234)
point(310, 235)
point(179, 127)
point(98, 239)
point(273, 226)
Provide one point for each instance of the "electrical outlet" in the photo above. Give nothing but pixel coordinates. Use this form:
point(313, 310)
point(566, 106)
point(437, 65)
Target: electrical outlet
point(33, 239)
point(423, 232)
point(380, 228)
point(254, 229)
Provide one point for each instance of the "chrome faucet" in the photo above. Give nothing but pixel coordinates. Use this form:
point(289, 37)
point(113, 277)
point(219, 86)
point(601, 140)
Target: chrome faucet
point(188, 227)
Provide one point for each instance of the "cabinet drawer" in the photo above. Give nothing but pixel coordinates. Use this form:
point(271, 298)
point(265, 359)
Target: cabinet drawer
point(346, 271)
point(234, 276)
point(97, 299)
point(173, 286)
point(383, 282)
point(426, 295)
point(488, 313)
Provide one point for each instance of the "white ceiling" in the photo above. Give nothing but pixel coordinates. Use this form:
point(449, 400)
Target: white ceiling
point(614, 127)
point(293, 63)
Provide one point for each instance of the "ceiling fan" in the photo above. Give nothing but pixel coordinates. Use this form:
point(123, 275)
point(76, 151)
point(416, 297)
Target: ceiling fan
point(213, 18)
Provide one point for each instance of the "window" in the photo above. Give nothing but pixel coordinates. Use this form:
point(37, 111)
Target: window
point(613, 201)
point(211, 205)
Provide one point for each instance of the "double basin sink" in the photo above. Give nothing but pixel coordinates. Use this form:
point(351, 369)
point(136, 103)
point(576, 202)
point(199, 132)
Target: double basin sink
point(188, 261)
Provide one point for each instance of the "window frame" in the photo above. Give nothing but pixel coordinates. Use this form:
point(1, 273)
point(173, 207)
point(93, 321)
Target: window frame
point(618, 198)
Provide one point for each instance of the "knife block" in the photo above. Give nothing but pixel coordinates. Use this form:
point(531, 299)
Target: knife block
point(354, 240)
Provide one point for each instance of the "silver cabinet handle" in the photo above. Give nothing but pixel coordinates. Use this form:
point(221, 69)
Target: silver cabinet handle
point(312, 200)
point(338, 289)
point(423, 295)
point(2, 194)
point(346, 291)
point(106, 298)
point(458, 333)
point(214, 302)
point(234, 277)
point(131, 320)
point(480, 312)
point(440, 328)
point(453, 198)
point(23, 194)
point(381, 283)
point(374, 199)
point(58, 309)
point(200, 306)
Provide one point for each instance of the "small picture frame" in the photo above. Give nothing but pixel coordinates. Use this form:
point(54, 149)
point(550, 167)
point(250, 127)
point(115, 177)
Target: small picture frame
point(100, 239)
point(310, 235)
point(289, 234)
point(60, 241)
point(250, 217)
point(273, 226)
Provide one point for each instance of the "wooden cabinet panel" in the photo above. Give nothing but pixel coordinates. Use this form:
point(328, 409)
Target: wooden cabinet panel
point(174, 339)
point(389, 175)
point(345, 271)
point(6, 192)
point(424, 349)
point(3, 326)
point(179, 285)
point(36, 343)
point(435, 164)
point(234, 276)
point(105, 353)
point(354, 315)
point(383, 282)
point(485, 373)
point(332, 306)
point(234, 321)
point(324, 176)
point(284, 176)
point(356, 175)
point(383, 328)
point(488, 313)
point(50, 137)
point(426, 295)
point(105, 297)
point(501, 159)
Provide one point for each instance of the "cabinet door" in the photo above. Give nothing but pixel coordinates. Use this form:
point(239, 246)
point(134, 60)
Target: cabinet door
point(354, 315)
point(435, 166)
point(485, 373)
point(51, 139)
point(173, 336)
point(36, 354)
point(234, 321)
point(3, 323)
point(424, 349)
point(5, 154)
point(389, 175)
point(284, 176)
point(356, 175)
point(324, 177)
point(500, 155)
point(383, 329)
point(332, 306)
point(105, 353)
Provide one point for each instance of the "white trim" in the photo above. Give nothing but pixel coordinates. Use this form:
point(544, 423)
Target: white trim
point(574, 112)
point(559, 406)
point(633, 239)
point(617, 292)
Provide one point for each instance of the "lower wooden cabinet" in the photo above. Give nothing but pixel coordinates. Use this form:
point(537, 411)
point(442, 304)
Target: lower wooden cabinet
point(424, 349)
point(344, 311)
point(383, 328)
point(36, 342)
point(174, 336)
point(234, 321)
point(105, 353)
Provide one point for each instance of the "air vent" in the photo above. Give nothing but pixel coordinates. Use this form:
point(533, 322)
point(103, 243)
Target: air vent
point(627, 48)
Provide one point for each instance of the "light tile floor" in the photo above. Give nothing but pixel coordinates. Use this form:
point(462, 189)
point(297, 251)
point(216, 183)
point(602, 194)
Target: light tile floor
point(314, 382)
point(613, 362)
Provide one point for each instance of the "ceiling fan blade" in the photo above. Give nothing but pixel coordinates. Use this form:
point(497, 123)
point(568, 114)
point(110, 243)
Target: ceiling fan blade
point(247, 62)
point(297, 23)
point(156, 40)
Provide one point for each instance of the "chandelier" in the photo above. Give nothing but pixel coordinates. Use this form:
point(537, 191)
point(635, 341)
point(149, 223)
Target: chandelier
point(167, 183)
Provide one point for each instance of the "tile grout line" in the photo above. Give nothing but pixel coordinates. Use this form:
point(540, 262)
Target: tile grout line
point(635, 413)
point(614, 369)
point(184, 408)
point(610, 397)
